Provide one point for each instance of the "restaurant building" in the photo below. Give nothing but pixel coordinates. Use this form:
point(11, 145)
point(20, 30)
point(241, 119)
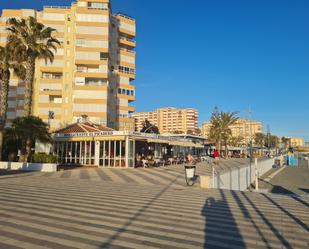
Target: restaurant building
point(88, 144)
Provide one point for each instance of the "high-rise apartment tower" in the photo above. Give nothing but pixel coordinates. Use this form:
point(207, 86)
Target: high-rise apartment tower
point(169, 120)
point(93, 69)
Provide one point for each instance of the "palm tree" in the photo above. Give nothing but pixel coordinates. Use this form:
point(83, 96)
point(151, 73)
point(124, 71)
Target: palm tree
point(286, 142)
point(8, 60)
point(149, 128)
point(236, 141)
point(259, 139)
point(28, 130)
point(34, 41)
point(220, 128)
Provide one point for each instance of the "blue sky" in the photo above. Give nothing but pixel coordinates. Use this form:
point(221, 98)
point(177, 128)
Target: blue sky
point(235, 54)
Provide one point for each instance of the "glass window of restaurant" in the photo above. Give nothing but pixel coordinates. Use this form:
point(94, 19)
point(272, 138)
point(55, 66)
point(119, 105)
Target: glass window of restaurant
point(109, 153)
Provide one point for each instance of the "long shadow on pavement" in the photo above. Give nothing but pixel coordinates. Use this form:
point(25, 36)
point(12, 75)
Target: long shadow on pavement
point(229, 236)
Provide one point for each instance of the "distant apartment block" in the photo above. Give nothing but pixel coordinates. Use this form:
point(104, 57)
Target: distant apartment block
point(93, 69)
point(169, 120)
point(243, 128)
point(297, 142)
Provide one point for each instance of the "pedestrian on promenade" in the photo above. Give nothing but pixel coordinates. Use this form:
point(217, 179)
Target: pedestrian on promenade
point(190, 159)
point(216, 156)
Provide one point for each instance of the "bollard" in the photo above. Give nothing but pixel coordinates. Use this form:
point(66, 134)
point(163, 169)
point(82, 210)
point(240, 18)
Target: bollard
point(256, 174)
point(205, 182)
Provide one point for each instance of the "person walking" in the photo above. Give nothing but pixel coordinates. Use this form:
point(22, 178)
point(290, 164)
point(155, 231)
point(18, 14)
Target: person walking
point(190, 159)
point(216, 156)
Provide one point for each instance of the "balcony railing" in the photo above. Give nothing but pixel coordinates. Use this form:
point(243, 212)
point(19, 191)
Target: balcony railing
point(56, 7)
point(125, 16)
point(57, 77)
point(95, 83)
point(127, 50)
point(97, 8)
point(87, 70)
point(127, 39)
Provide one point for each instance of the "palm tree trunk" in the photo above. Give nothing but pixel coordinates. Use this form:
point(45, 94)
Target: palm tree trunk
point(28, 148)
point(226, 150)
point(29, 80)
point(23, 152)
point(1, 143)
point(219, 146)
point(4, 87)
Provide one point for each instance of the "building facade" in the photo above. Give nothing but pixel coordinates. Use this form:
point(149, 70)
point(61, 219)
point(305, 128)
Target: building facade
point(85, 143)
point(243, 128)
point(169, 120)
point(93, 69)
point(296, 142)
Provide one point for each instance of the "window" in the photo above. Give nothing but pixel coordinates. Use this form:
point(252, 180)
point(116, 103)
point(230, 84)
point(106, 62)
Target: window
point(95, 82)
point(91, 18)
point(55, 99)
point(127, 70)
point(125, 92)
point(103, 56)
point(52, 75)
point(96, 5)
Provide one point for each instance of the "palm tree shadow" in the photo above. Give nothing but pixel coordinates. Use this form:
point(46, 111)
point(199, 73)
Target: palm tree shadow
point(221, 230)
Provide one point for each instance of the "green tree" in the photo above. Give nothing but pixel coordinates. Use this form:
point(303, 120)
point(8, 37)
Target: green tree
point(220, 131)
point(197, 131)
point(235, 141)
point(149, 128)
point(34, 41)
point(286, 142)
point(190, 132)
point(9, 60)
point(26, 131)
point(273, 141)
point(259, 139)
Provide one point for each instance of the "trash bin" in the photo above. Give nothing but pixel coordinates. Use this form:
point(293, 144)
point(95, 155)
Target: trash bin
point(190, 174)
point(190, 171)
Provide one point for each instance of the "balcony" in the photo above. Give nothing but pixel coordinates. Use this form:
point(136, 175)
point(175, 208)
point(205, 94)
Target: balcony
point(91, 72)
point(56, 7)
point(125, 16)
point(91, 82)
point(57, 76)
point(126, 50)
point(127, 42)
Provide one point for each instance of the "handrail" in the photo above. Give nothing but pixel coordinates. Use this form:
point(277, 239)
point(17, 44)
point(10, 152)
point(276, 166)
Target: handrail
point(125, 16)
point(56, 7)
point(127, 50)
point(127, 39)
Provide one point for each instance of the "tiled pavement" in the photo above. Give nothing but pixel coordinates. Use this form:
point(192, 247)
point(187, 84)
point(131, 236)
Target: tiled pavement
point(145, 176)
point(77, 212)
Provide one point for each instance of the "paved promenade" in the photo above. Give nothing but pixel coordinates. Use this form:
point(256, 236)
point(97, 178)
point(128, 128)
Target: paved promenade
point(146, 176)
point(56, 211)
point(289, 180)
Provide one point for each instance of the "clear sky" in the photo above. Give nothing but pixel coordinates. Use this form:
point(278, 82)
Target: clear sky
point(236, 54)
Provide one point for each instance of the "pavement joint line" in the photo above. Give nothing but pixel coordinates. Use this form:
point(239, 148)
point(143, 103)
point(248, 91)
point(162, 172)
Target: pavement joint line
point(271, 176)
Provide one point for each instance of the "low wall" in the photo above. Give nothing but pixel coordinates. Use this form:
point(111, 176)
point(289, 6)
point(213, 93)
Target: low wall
point(241, 178)
point(43, 167)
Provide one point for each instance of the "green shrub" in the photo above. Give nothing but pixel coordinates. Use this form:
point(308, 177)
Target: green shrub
point(43, 158)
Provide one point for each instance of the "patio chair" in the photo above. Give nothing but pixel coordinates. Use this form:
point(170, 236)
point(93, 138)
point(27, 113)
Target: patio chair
point(145, 163)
